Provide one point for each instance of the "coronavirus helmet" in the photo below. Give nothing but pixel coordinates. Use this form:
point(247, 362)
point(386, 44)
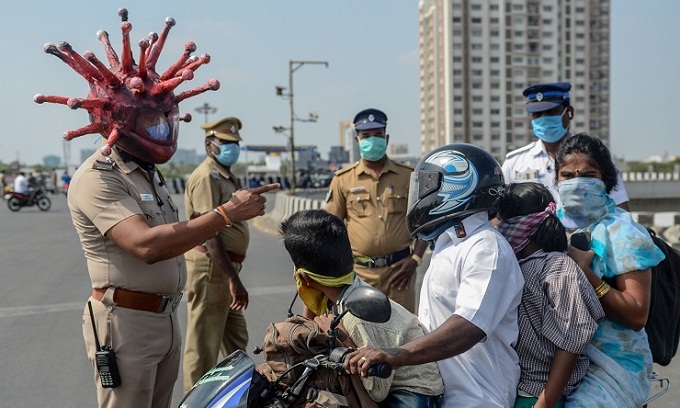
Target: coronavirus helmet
point(130, 104)
point(449, 184)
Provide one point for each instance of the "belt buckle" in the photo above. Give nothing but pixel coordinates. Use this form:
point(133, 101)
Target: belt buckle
point(166, 300)
point(380, 262)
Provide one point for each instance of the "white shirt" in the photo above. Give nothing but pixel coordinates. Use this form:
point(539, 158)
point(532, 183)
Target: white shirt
point(533, 163)
point(21, 184)
point(478, 278)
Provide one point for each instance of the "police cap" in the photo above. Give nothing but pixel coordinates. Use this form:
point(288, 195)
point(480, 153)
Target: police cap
point(543, 97)
point(225, 129)
point(370, 119)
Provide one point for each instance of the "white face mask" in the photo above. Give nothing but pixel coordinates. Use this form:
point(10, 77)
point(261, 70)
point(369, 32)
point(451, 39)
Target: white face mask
point(584, 201)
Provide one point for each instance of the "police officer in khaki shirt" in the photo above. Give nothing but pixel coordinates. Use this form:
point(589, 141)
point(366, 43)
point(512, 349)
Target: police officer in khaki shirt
point(215, 295)
point(134, 245)
point(371, 196)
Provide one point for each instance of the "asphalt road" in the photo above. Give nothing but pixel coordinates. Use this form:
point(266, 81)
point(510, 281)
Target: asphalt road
point(45, 286)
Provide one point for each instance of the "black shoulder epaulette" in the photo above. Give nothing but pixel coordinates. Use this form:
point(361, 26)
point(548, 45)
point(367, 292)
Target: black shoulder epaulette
point(103, 165)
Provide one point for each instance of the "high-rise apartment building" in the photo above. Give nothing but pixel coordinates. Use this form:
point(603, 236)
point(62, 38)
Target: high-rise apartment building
point(477, 56)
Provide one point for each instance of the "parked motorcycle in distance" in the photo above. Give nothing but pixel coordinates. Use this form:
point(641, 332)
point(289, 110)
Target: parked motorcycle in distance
point(234, 382)
point(17, 200)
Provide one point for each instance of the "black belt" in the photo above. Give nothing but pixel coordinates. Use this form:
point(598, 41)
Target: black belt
point(379, 262)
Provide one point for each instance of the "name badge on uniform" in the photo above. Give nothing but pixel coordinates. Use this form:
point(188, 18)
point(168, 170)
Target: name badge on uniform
point(526, 175)
point(146, 197)
point(360, 189)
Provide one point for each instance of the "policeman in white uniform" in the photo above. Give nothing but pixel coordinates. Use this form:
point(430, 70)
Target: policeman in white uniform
point(551, 113)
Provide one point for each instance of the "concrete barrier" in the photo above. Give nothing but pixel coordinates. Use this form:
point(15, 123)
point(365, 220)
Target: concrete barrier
point(286, 205)
point(666, 223)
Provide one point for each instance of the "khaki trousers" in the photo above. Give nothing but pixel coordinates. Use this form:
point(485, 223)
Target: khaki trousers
point(211, 327)
point(379, 278)
point(147, 347)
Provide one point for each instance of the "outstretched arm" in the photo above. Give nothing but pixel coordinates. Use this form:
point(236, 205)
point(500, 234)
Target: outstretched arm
point(154, 244)
point(452, 338)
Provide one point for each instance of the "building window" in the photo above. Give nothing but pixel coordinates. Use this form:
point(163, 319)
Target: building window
point(477, 124)
point(477, 98)
point(476, 20)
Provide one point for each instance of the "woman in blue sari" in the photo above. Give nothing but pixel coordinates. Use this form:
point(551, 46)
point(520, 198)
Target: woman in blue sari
point(622, 250)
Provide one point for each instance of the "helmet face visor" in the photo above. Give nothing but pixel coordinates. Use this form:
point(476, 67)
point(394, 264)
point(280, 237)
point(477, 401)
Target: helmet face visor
point(422, 184)
point(158, 126)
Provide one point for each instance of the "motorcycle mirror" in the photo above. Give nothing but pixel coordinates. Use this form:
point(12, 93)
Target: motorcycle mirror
point(368, 303)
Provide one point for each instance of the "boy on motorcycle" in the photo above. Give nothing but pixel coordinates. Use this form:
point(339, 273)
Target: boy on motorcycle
point(318, 244)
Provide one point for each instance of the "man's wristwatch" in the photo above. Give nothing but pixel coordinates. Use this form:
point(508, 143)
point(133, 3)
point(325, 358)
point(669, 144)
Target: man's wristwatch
point(416, 258)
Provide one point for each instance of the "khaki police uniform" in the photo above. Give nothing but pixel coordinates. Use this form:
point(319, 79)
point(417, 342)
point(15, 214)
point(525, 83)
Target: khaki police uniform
point(375, 214)
point(533, 163)
point(211, 327)
point(134, 303)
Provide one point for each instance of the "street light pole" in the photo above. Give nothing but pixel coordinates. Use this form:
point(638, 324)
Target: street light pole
point(292, 67)
point(206, 110)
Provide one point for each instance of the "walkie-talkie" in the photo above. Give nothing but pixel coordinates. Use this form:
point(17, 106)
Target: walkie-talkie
point(105, 359)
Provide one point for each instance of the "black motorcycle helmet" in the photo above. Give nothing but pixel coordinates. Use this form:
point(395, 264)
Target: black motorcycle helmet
point(447, 185)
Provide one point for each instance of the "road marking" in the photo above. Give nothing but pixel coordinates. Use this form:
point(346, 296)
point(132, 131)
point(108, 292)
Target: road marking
point(67, 307)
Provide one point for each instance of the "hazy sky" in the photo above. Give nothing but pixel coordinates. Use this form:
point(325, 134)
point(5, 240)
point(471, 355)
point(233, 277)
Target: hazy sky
point(372, 51)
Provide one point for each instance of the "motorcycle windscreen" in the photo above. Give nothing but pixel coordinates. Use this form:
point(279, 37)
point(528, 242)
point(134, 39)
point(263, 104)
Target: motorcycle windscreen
point(224, 385)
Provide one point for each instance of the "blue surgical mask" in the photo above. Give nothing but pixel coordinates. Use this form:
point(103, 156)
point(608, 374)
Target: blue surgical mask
point(373, 148)
point(549, 128)
point(584, 201)
point(228, 153)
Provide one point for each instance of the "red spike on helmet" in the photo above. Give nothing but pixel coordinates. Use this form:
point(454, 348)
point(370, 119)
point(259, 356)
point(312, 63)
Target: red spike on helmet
point(132, 106)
